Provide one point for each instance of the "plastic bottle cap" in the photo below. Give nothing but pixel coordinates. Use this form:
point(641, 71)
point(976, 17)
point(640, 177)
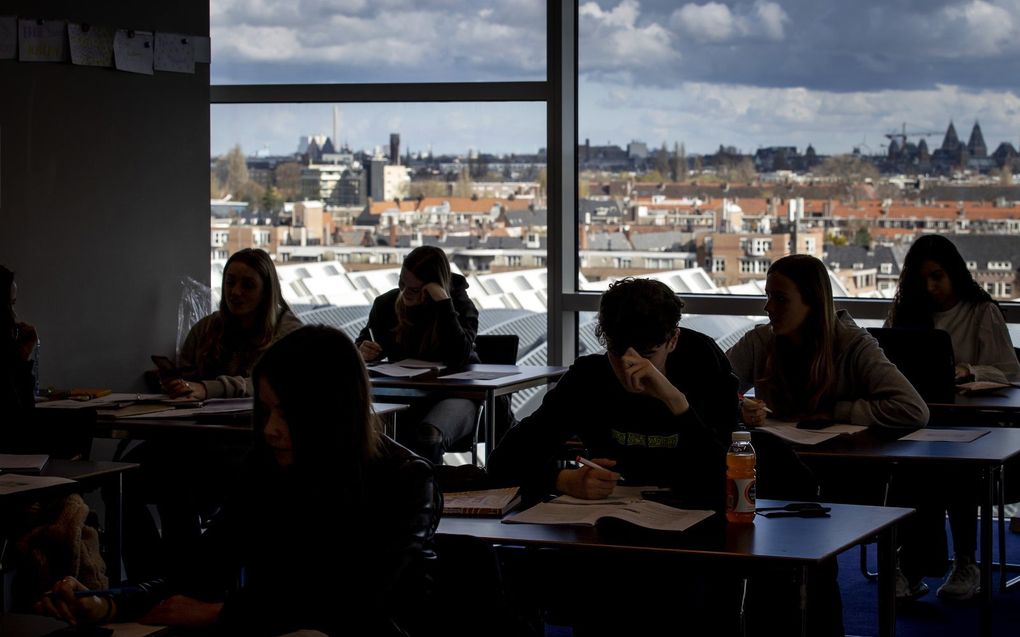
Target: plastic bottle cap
point(741, 436)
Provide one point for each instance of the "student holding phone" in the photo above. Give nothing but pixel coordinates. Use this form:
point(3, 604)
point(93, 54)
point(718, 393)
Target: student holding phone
point(220, 350)
point(216, 361)
point(331, 522)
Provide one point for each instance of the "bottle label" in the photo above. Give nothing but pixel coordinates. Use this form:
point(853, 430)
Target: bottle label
point(740, 495)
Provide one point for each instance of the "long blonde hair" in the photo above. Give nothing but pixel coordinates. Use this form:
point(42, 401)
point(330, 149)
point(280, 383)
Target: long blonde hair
point(271, 307)
point(429, 265)
point(818, 332)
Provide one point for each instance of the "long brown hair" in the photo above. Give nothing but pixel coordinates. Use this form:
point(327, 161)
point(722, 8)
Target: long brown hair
point(271, 307)
point(430, 265)
point(325, 396)
point(817, 333)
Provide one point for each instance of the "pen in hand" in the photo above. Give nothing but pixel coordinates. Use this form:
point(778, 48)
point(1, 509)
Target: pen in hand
point(592, 465)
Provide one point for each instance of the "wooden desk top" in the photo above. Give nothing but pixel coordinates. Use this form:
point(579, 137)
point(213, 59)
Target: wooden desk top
point(802, 540)
point(993, 448)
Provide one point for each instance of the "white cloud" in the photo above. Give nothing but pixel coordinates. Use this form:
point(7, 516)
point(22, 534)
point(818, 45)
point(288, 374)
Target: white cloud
point(712, 22)
point(614, 40)
point(715, 22)
point(771, 19)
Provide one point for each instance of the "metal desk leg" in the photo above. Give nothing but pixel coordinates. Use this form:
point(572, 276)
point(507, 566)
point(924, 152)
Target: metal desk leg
point(887, 582)
point(114, 537)
point(490, 423)
point(803, 589)
point(988, 492)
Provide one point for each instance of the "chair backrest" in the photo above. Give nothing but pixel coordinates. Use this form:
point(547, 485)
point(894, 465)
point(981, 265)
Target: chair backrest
point(497, 349)
point(925, 357)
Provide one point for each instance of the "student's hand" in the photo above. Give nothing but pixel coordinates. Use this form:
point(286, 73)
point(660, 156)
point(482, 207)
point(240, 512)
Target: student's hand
point(180, 388)
point(752, 412)
point(370, 350)
point(640, 376)
point(964, 373)
point(27, 340)
point(61, 603)
point(436, 292)
point(587, 483)
point(179, 610)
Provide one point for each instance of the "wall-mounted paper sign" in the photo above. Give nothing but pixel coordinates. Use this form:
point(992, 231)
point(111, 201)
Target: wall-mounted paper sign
point(8, 37)
point(90, 45)
point(42, 40)
point(201, 45)
point(174, 52)
point(132, 51)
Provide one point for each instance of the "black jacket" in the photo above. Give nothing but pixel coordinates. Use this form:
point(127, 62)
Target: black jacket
point(455, 318)
point(650, 444)
point(314, 557)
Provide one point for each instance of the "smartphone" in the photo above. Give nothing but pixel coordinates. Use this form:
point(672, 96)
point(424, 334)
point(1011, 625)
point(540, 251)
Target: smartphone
point(166, 368)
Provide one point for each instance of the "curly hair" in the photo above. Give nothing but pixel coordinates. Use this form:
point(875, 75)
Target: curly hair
point(638, 313)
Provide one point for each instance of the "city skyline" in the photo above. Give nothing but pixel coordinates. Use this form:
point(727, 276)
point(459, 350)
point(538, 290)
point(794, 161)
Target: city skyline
point(744, 74)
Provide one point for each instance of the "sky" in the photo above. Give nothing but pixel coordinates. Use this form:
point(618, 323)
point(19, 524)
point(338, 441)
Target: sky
point(832, 73)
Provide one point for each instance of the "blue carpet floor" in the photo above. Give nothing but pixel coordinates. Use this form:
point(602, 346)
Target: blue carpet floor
point(928, 616)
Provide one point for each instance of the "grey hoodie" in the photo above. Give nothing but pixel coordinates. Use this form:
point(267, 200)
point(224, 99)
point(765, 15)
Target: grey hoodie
point(869, 389)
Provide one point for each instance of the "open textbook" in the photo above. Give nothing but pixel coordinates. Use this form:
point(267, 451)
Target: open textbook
point(624, 504)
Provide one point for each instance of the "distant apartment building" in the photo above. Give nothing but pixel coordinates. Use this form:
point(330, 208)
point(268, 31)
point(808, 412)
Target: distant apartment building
point(740, 257)
point(863, 270)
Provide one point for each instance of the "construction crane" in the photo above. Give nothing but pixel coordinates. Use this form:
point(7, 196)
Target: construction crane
point(903, 134)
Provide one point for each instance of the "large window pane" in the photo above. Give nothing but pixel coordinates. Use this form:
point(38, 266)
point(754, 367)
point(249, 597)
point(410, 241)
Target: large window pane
point(717, 137)
point(339, 216)
point(312, 42)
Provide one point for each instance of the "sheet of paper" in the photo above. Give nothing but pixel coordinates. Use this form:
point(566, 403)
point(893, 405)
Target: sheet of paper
point(132, 51)
point(651, 515)
point(201, 45)
point(945, 435)
point(479, 375)
point(130, 629)
point(415, 363)
point(8, 37)
point(41, 40)
point(91, 45)
point(398, 371)
point(14, 483)
point(23, 461)
point(175, 53)
point(790, 433)
point(214, 406)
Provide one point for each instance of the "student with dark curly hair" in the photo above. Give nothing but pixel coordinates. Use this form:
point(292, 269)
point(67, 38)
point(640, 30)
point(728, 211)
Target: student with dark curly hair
point(658, 408)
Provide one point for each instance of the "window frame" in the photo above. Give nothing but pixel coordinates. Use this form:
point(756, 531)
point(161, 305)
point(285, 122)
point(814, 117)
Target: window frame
point(559, 92)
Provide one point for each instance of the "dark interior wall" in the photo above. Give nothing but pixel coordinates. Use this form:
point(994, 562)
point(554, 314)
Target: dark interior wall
point(104, 196)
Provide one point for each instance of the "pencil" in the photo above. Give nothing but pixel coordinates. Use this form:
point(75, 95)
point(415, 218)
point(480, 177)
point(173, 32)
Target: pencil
point(589, 463)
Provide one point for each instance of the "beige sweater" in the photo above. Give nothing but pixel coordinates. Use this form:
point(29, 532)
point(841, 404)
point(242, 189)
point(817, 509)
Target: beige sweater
point(980, 340)
point(230, 376)
point(869, 389)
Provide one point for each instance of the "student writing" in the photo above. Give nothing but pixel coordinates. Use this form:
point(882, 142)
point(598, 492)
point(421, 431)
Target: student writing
point(430, 317)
